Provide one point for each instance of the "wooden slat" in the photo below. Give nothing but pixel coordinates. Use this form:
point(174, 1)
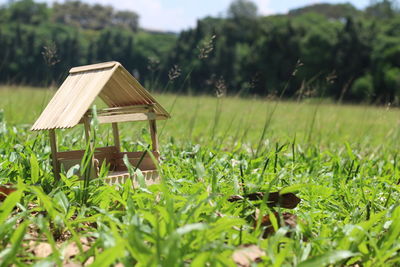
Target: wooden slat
point(141, 90)
point(125, 109)
point(43, 122)
point(89, 94)
point(79, 153)
point(127, 117)
point(121, 82)
point(94, 67)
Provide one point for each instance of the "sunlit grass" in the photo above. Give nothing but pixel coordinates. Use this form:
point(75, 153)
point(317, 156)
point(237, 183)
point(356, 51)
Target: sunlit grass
point(342, 160)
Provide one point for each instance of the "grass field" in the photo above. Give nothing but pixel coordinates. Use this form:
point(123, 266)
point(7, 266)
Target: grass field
point(341, 160)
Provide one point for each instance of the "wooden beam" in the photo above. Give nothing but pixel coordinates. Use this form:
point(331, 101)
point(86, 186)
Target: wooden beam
point(127, 117)
point(117, 143)
point(98, 66)
point(54, 161)
point(86, 123)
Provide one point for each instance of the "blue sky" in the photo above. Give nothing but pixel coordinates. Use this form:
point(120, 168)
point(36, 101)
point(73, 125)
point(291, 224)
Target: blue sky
point(176, 15)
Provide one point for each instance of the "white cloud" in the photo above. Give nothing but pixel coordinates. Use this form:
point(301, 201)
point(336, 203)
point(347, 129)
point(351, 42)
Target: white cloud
point(153, 14)
point(264, 7)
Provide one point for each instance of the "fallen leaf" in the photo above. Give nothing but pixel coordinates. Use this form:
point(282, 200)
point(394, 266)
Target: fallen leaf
point(42, 250)
point(89, 261)
point(71, 250)
point(245, 255)
point(289, 220)
point(5, 190)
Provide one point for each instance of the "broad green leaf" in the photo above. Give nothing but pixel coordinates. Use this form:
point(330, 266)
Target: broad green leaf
point(108, 256)
point(8, 205)
point(191, 227)
point(16, 240)
point(62, 201)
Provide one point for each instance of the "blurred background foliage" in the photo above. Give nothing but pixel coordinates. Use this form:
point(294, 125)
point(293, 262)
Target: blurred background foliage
point(321, 50)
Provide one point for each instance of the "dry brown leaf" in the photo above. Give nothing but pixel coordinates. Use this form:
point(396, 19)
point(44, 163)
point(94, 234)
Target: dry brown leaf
point(71, 251)
point(89, 261)
point(42, 250)
point(6, 190)
point(245, 255)
point(289, 219)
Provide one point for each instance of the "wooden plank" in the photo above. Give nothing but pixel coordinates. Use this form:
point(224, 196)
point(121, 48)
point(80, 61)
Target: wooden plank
point(127, 117)
point(125, 109)
point(79, 153)
point(68, 163)
point(137, 155)
point(53, 146)
point(104, 65)
point(116, 137)
point(145, 164)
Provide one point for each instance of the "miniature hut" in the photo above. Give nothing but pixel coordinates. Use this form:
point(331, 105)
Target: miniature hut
point(127, 101)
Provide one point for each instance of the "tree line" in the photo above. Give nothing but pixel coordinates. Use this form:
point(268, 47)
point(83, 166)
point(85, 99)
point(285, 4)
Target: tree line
point(321, 50)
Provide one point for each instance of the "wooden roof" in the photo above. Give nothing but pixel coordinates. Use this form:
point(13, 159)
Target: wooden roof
point(110, 81)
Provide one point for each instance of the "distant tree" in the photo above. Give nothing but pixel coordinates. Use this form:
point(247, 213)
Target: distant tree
point(127, 19)
point(95, 17)
point(382, 9)
point(242, 9)
point(332, 11)
point(352, 56)
point(27, 12)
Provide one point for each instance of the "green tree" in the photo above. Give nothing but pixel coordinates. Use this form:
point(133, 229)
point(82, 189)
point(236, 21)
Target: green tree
point(242, 9)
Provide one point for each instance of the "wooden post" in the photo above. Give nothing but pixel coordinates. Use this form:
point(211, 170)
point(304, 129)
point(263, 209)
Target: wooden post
point(86, 122)
point(153, 132)
point(53, 145)
point(116, 137)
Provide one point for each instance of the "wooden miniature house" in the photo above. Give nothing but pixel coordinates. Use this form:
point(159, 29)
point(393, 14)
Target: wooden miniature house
point(127, 101)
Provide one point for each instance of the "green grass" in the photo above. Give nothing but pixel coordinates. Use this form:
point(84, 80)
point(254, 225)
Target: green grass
point(342, 161)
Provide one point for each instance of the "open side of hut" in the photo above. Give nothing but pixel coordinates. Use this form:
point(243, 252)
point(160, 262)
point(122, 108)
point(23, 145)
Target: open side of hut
point(127, 101)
